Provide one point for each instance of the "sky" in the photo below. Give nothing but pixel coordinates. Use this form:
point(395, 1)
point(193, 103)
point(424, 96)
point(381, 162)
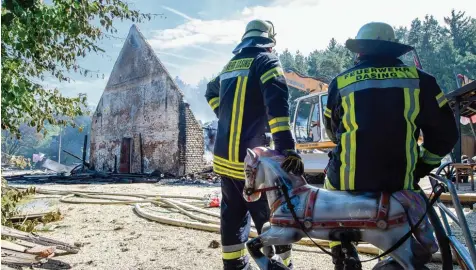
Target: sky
point(195, 38)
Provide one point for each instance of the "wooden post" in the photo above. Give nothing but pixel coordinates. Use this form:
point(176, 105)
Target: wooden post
point(84, 150)
point(457, 149)
point(59, 145)
point(115, 163)
point(141, 154)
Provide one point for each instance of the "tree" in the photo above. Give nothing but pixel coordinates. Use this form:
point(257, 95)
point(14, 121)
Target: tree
point(300, 64)
point(463, 31)
point(38, 39)
point(286, 59)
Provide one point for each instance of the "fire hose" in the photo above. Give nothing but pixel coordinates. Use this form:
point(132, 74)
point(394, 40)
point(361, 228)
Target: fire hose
point(171, 202)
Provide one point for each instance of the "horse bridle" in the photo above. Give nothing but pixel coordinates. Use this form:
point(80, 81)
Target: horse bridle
point(252, 176)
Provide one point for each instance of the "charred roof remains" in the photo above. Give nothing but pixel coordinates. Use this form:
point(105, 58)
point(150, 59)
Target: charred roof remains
point(142, 120)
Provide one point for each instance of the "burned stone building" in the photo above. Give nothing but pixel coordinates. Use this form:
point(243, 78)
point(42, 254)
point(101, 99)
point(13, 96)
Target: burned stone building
point(142, 120)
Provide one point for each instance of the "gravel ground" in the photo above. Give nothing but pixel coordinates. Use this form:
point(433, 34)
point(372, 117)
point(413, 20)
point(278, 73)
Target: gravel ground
point(114, 237)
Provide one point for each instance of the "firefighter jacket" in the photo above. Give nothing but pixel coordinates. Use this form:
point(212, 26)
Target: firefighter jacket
point(374, 114)
point(250, 93)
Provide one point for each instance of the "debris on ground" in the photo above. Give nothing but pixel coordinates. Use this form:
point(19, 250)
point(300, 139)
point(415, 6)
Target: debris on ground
point(27, 249)
point(214, 244)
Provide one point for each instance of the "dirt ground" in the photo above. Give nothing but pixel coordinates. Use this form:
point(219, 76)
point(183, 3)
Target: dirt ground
point(114, 237)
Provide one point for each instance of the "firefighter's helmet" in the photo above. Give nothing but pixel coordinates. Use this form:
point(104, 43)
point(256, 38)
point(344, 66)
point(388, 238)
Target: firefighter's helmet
point(260, 28)
point(377, 38)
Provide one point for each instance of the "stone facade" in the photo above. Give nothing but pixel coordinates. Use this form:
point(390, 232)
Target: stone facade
point(142, 101)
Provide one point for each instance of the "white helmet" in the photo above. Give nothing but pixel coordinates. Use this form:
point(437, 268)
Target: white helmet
point(260, 28)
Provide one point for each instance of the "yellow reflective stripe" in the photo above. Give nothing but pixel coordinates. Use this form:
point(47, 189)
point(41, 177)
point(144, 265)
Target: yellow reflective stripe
point(328, 114)
point(333, 244)
point(428, 157)
point(328, 110)
point(328, 185)
point(278, 120)
point(279, 124)
point(214, 102)
point(231, 166)
point(274, 72)
point(278, 129)
point(441, 99)
point(348, 144)
point(373, 73)
point(231, 142)
point(228, 163)
point(287, 261)
point(353, 141)
point(411, 110)
point(217, 168)
point(240, 119)
point(441, 104)
point(234, 255)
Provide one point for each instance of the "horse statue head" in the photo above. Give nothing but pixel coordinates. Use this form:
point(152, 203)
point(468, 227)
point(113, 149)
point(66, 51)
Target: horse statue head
point(263, 173)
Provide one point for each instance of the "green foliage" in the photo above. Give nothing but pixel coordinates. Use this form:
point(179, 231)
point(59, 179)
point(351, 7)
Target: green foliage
point(11, 197)
point(38, 39)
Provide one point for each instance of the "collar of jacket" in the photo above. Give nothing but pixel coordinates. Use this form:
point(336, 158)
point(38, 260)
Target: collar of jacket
point(379, 59)
point(254, 42)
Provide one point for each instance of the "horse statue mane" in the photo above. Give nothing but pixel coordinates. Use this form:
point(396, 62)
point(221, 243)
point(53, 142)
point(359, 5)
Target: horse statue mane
point(273, 159)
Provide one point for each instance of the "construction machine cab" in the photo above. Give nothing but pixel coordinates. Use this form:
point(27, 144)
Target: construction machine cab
point(308, 119)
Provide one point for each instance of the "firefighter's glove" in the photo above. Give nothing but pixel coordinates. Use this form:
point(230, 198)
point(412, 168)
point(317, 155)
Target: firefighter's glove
point(292, 162)
point(423, 169)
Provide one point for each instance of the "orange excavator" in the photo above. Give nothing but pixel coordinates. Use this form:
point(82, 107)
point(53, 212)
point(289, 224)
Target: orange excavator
point(312, 141)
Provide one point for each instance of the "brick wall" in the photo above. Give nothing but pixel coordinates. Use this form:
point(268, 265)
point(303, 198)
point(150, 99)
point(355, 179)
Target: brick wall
point(194, 144)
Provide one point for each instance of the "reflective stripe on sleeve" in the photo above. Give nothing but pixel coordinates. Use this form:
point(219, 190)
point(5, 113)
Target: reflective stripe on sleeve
point(327, 112)
point(279, 124)
point(428, 157)
point(441, 99)
point(274, 72)
point(214, 103)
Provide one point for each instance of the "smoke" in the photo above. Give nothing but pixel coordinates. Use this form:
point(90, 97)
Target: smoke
point(195, 97)
point(209, 135)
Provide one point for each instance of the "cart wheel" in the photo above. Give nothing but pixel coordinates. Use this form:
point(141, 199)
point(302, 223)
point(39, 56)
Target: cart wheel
point(448, 171)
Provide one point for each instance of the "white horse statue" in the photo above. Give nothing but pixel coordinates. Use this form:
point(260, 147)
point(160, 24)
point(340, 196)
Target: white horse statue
point(375, 218)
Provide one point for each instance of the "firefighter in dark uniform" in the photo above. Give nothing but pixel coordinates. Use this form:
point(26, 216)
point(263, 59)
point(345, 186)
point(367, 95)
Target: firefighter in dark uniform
point(374, 115)
point(249, 94)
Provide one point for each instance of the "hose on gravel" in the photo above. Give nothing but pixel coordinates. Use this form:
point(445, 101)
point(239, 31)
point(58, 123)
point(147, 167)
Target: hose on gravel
point(167, 201)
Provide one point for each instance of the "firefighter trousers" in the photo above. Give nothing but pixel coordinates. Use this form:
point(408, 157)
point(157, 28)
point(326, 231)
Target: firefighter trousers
point(235, 225)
